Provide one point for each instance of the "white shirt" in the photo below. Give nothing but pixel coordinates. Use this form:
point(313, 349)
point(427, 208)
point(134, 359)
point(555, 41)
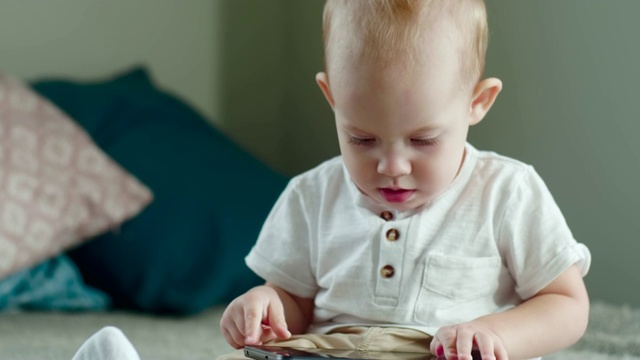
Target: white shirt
point(494, 238)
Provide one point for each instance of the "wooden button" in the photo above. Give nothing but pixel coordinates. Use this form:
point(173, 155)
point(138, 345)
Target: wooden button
point(387, 215)
point(393, 235)
point(387, 271)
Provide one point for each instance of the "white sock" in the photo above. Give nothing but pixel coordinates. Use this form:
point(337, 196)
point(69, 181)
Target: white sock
point(109, 343)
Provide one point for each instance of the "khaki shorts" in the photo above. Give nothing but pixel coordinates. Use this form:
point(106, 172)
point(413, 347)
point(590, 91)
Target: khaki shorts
point(362, 338)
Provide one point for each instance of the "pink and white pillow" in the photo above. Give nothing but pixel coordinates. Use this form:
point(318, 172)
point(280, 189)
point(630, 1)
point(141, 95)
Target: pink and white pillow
point(57, 188)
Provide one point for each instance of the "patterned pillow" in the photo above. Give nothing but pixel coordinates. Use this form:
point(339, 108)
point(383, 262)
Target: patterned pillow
point(57, 188)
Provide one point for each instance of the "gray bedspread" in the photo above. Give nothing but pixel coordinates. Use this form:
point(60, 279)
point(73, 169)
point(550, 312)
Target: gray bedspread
point(614, 333)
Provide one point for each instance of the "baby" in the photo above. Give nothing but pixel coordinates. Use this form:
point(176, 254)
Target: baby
point(412, 239)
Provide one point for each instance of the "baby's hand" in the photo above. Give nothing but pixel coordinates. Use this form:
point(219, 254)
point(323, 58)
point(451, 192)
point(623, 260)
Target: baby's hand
point(457, 341)
point(254, 318)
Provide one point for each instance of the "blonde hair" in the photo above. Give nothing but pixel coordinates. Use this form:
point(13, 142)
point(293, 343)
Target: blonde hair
point(391, 28)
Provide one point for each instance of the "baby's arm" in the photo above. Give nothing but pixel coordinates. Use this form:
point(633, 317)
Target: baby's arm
point(553, 319)
point(265, 313)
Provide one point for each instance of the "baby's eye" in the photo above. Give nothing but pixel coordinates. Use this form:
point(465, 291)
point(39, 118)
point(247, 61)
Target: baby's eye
point(361, 141)
point(424, 142)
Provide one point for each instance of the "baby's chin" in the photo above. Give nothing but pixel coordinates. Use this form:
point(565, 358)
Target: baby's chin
point(407, 206)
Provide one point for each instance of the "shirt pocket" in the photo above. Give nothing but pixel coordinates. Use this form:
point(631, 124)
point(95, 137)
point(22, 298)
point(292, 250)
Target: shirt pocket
point(456, 288)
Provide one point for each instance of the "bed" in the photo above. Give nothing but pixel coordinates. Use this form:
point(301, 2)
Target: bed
point(612, 334)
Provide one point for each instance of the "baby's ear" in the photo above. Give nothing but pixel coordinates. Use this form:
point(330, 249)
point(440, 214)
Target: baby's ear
point(484, 95)
point(323, 82)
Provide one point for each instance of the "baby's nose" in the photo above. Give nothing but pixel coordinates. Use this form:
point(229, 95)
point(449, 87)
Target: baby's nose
point(394, 166)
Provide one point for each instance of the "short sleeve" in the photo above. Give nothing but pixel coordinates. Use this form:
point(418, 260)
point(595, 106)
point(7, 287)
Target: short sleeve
point(282, 253)
point(535, 239)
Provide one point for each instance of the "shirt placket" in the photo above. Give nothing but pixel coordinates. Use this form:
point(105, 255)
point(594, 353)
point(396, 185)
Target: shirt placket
point(392, 244)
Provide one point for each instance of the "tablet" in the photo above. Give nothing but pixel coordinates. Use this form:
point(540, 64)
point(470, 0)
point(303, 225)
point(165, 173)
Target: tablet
point(289, 353)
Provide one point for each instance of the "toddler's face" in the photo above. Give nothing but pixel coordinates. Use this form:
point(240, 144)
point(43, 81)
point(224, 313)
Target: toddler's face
point(402, 133)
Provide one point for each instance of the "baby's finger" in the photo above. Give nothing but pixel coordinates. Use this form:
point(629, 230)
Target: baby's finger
point(464, 344)
point(486, 346)
point(252, 325)
point(267, 335)
point(231, 325)
point(277, 322)
point(447, 338)
point(233, 337)
point(500, 351)
point(436, 347)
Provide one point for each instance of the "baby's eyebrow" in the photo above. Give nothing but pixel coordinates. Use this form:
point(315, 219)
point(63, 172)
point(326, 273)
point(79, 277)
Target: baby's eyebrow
point(352, 128)
point(428, 128)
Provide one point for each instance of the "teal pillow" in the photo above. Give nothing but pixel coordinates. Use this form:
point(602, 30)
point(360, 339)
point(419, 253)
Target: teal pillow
point(185, 251)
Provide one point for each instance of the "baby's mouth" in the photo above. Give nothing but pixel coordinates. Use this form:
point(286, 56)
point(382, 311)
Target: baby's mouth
point(395, 195)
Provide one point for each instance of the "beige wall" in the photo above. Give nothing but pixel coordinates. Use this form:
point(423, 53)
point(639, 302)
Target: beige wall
point(569, 107)
point(271, 51)
point(177, 40)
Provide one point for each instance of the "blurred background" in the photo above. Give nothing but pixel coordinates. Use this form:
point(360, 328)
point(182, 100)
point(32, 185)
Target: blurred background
point(569, 106)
